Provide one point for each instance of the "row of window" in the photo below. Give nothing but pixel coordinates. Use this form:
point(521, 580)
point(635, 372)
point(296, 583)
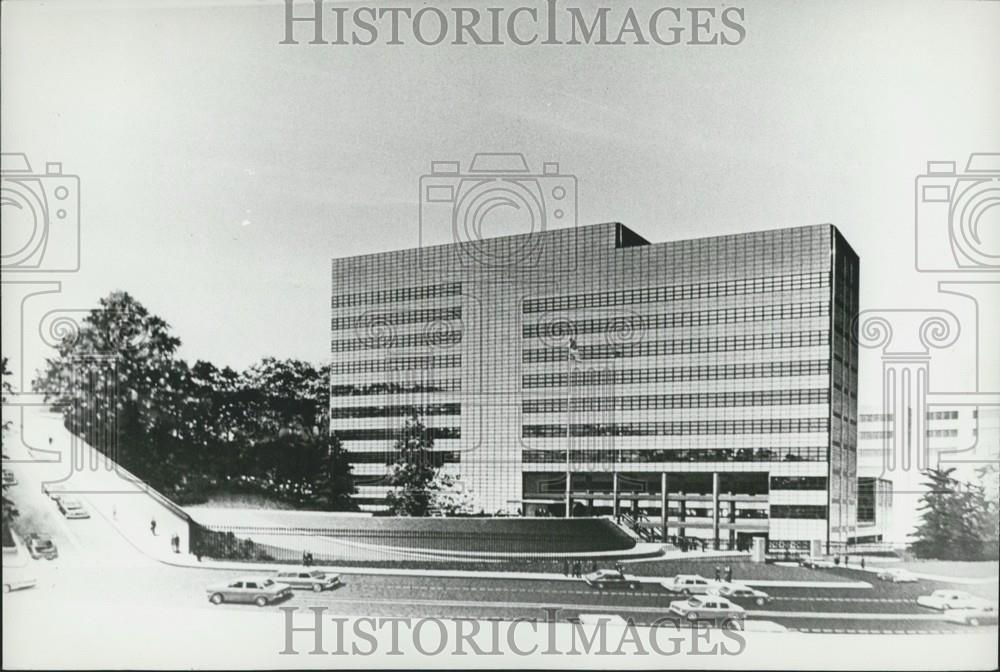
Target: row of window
point(888, 434)
point(796, 454)
point(801, 511)
point(396, 295)
point(797, 339)
point(443, 385)
point(397, 364)
point(931, 415)
point(639, 323)
point(675, 401)
point(433, 337)
point(679, 374)
point(391, 456)
point(395, 411)
point(387, 434)
point(875, 435)
point(374, 321)
point(678, 292)
point(798, 482)
point(681, 427)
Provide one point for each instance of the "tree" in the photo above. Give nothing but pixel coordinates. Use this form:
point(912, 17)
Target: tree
point(414, 470)
point(450, 496)
point(9, 511)
point(189, 431)
point(333, 484)
point(6, 388)
point(956, 521)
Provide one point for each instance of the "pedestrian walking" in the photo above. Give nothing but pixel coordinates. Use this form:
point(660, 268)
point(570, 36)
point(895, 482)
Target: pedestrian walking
point(862, 562)
point(577, 569)
point(847, 560)
point(565, 566)
point(718, 573)
point(619, 566)
point(152, 526)
point(593, 565)
point(729, 574)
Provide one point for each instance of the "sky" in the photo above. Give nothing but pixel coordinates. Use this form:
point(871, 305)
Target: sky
point(220, 171)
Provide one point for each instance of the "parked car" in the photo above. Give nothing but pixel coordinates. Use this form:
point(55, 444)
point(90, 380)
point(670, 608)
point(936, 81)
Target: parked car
point(982, 615)
point(15, 582)
point(9, 478)
point(740, 594)
point(706, 607)
point(897, 576)
point(72, 508)
point(814, 561)
point(943, 600)
point(687, 584)
point(610, 578)
point(250, 590)
point(53, 490)
point(314, 580)
point(40, 546)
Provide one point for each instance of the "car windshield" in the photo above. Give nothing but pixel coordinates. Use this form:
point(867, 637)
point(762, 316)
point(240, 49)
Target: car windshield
point(317, 575)
point(694, 602)
point(266, 582)
point(43, 543)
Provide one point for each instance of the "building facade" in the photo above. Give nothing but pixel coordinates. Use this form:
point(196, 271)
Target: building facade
point(963, 438)
point(704, 387)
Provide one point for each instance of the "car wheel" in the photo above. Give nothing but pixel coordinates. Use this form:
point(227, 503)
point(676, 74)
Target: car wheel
point(261, 601)
point(685, 592)
point(973, 621)
point(600, 586)
point(692, 616)
point(216, 598)
point(633, 586)
point(760, 601)
point(317, 588)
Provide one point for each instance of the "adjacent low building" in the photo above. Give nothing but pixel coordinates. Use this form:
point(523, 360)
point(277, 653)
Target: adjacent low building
point(711, 380)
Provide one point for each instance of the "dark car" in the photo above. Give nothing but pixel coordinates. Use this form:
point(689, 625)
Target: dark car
point(610, 579)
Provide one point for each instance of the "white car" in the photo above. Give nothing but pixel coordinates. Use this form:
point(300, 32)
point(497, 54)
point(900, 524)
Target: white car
point(897, 576)
point(54, 490)
point(313, 579)
point(72, 508)
point(249, 589)
point(11, 583)
point(740, 594)
point(706, 607)
point(983, 615)
point(943, 600)
point(687, 584)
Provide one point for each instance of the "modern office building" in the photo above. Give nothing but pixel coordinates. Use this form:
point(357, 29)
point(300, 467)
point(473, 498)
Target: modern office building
point(965, 438)
point(711, 380)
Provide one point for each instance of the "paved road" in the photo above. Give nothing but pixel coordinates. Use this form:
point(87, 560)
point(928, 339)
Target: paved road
point(98, 565)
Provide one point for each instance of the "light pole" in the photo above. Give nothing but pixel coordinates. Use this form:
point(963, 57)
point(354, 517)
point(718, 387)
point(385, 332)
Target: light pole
point(572, 354)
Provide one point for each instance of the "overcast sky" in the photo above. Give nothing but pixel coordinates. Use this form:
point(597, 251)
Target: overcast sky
point(220, 171)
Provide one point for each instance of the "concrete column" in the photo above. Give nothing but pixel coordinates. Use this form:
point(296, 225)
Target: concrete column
point(614, 494)
point(663, 507)
point(715, 510)
point(732, 522)
point(683, 514)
